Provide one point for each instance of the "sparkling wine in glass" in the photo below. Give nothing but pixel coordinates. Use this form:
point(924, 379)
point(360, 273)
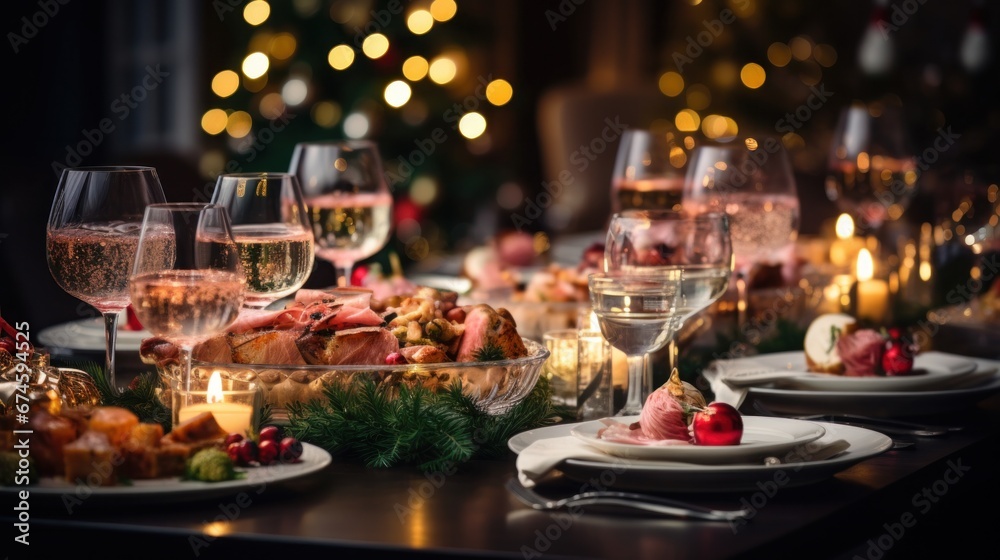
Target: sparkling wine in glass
point(92, 235)
point(348, 198)
point(871, 171)
point(753, 183)
point(648, 172)
point(187, 280)
point(662, 268)
point(271, 227)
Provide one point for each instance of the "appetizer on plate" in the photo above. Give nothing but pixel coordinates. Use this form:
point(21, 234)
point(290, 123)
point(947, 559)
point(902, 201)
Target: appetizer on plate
point(835, 344)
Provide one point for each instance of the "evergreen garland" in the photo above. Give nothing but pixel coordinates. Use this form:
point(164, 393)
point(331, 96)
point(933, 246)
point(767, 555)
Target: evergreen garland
point(433, 431)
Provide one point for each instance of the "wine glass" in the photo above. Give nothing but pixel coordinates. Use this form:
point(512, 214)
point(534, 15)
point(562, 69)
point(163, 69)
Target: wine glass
point(871, 170)
point(648, 172)
point(92, 234)
point(753, 183)
point(271, 227)
point(187, 280)
point(348, 199)
point(661, 268)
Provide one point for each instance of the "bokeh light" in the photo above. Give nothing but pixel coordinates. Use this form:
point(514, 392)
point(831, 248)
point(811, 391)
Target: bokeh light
point(272, 105)
point(356, 125)
point(256, 12)
point(340, 57)
point(415, 68)
point(282, 46)
point(442, 70)
point(752, 75)
point(239, 124)
point(779, 54)
point(687, 120)
point(255, 65)
point(671, 84)
point(472, 125)
point(326, 114)
point(295, 91)
point(499, 92)
point(423, 190)
point(225, 83)
point(397, 93)
point(214, 121)
point(419, 22)
point(375, 45)
point(443, 10)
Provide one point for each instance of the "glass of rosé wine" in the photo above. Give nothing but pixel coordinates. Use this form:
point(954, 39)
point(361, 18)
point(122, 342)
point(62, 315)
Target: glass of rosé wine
point(271, 227)
point(187, 281)
point(648, 172)
point(92, 235)
point(348, 199)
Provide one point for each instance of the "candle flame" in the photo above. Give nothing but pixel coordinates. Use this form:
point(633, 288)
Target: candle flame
point(866, 267)
point(844, 227)
point(214, 394)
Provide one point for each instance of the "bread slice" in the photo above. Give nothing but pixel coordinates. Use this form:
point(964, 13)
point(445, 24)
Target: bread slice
point(820, 344)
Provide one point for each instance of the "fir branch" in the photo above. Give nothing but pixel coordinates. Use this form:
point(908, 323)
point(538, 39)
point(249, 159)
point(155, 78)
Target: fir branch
point(141, 397)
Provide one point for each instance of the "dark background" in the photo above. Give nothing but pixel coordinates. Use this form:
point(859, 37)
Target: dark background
point(65, 78)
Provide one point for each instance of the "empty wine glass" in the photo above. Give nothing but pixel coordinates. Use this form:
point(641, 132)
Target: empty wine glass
point(648, 172)
point(753, 183)
point(271, 227)
point(871, 170)
point(348, 199)
point(187, 281)
point(662, 267)
point(92, 235)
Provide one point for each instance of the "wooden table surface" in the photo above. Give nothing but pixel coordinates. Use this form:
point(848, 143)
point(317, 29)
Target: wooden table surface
point(915, 502)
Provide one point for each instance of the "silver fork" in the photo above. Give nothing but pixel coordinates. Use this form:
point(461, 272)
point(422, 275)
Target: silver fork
point(643, 502)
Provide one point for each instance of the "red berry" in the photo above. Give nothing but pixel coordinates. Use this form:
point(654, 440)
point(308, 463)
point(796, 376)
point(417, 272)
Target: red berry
point(717, 424)
point(270, 433)
point(248, 452)
point(897, 359)
point(233, 450)
point(395, 359)
point(291, 450)
point(233, 438)
point(267, 452)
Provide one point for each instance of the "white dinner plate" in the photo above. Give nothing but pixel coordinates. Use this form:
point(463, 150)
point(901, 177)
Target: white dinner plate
point(88, 334)
point(930, 370)
point(175, 489)
point(762, 437)
point(662, 476)
point(958, 398)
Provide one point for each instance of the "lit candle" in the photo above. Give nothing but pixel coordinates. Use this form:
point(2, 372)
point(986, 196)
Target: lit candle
point(845, 248)
point(872, 300)
point(233, 417)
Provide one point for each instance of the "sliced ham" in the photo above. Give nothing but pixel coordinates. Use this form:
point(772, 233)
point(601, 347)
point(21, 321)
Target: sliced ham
point(345, 318)
point(361, 346)
point(268, 347)
point(619, 432)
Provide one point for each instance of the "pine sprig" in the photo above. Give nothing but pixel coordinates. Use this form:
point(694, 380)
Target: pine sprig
point(141, 397)
point(432, 431)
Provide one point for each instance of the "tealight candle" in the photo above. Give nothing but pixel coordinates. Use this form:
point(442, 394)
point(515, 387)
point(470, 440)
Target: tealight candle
point(233, 409)
point(845, 248)
point(872, 299)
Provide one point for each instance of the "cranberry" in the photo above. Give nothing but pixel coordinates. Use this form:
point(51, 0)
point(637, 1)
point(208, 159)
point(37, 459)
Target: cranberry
point(267, 452)
point(291, 450)
point(233, 438)
point(233, 450)
point(270, 433)
point(395, 359)
point(248, 451)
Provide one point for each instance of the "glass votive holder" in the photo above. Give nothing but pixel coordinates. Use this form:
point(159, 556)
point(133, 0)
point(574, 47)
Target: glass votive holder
point(235, 403)
point(595, 394)
point(560, 367)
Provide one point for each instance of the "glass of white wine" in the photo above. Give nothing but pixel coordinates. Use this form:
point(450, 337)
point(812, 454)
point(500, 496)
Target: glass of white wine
point(187, 280)
point(648, 172)
point(348, 199)
point(271, 227)
point(662, 267)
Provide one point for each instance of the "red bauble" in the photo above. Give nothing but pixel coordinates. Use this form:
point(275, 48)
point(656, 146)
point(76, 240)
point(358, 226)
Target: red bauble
point(717, 424)
point(897, 360)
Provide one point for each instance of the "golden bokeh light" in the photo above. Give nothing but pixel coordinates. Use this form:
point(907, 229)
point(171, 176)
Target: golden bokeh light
point(214, 121)
point(442, 70)
point(225, 83)
point(239, 124)
point(671, 84)
point(255, 65)
point(801, 47)
point(443, 10)
point(419, 22)
point(472, 125)
point(375, 45)
point(256, 12)
point(397, 93)
point(423, 190)
point(415, 68)
point(272, 105)
point(718, 127)
point(687, 120)
point(326, 114)
point(752, 75)
point(282, 46)
point(724, 73)
point(825, 55)
point(340, 57)
point(779, 54)
point(499, 92)
point(698, 97)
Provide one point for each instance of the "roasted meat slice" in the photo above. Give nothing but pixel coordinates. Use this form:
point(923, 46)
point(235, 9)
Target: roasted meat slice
point(424, 354)
point(488, 328)
point(266, 347)
point(361, 346)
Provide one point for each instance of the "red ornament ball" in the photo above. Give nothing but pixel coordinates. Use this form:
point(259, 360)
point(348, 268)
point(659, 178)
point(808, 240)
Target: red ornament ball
point(717, 424)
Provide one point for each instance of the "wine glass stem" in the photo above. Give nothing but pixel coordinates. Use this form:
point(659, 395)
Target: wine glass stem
point(110, 341)
point(639, 382)
point(185, 354)
point(343, 274)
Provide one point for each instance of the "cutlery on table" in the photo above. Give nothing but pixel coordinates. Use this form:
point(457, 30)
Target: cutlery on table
point(643, 502)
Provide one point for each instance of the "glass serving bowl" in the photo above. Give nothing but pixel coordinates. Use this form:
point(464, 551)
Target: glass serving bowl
point(496, 386)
